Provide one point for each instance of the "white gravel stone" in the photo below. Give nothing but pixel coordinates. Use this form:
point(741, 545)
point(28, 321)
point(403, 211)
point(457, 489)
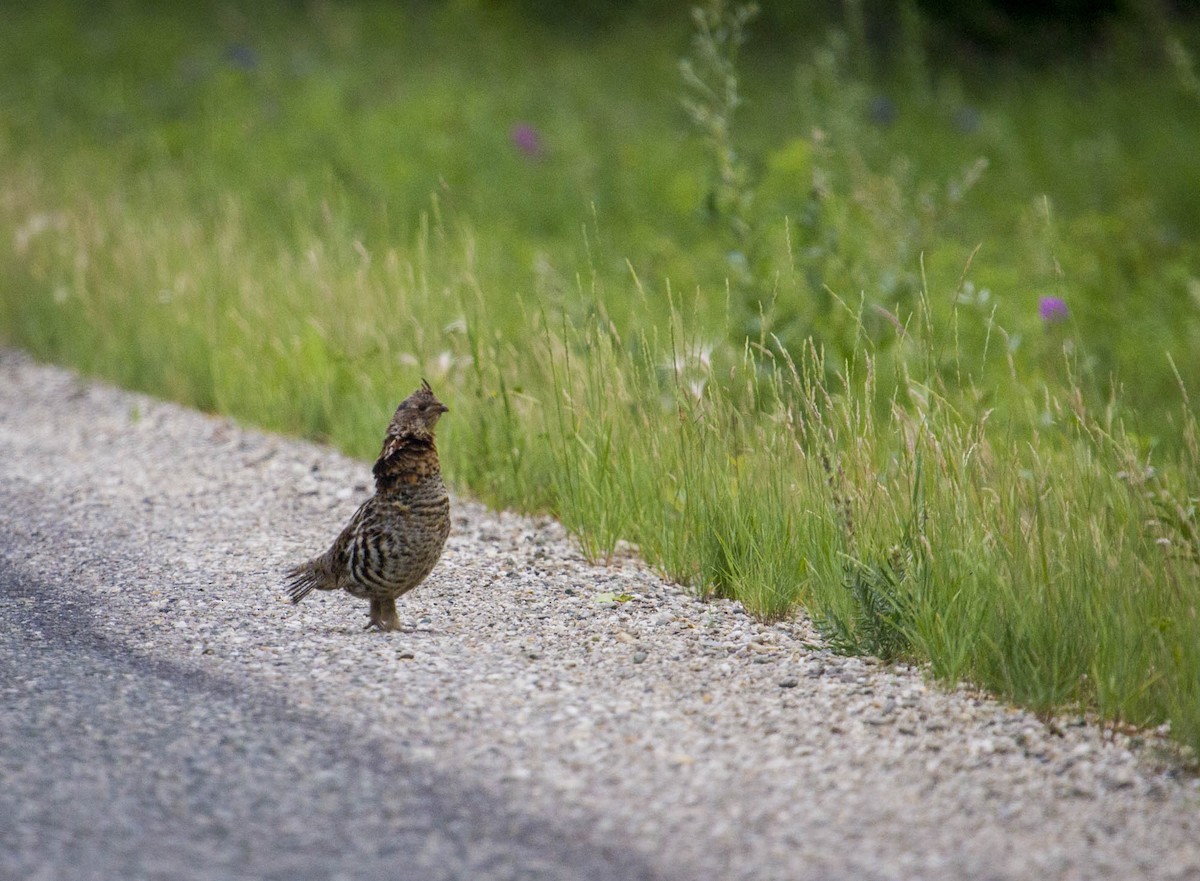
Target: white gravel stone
point(711, 744)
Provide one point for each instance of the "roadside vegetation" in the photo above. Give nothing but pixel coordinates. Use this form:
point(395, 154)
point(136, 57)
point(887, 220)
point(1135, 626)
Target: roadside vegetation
point(911, 346)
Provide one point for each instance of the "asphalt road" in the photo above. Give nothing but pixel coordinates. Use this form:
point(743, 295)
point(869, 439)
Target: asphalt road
point(116, 766)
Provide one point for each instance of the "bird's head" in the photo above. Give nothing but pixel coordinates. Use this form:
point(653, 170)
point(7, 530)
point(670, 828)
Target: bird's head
point(418, 413)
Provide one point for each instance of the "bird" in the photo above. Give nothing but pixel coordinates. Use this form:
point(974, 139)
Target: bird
point(396, 537)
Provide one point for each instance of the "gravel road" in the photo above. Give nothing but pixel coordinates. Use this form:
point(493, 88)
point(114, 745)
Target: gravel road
point(166, 714)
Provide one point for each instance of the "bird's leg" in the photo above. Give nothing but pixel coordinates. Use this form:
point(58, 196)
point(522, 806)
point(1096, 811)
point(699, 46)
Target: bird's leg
point(383, 615)
point(388, 619)
point(374, 622)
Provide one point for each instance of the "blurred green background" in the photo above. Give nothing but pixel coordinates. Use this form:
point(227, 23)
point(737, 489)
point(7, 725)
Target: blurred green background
point(1058, 139)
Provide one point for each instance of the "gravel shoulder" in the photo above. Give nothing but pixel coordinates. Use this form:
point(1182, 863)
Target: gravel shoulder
point(524, 728)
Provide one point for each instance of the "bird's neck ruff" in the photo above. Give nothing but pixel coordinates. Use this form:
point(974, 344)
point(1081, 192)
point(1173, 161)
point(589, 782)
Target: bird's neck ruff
point(404, 460)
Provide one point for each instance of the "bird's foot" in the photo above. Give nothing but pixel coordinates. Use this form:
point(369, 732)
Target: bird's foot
point(384, 625)
point(384, 617)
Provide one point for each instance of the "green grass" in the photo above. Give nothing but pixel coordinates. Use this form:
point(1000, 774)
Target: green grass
point(793, 354)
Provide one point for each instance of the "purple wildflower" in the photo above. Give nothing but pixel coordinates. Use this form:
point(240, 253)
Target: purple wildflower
point(1053, 310)
point(883, 111)
point(526, 139)
point(241, 56)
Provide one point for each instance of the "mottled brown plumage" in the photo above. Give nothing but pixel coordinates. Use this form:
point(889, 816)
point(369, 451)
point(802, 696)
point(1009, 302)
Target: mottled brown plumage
point(392, 541)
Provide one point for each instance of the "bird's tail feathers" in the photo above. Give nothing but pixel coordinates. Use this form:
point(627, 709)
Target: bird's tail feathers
point(303, 580)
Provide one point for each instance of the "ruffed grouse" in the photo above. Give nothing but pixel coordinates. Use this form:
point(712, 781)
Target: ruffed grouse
point(392, 541)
